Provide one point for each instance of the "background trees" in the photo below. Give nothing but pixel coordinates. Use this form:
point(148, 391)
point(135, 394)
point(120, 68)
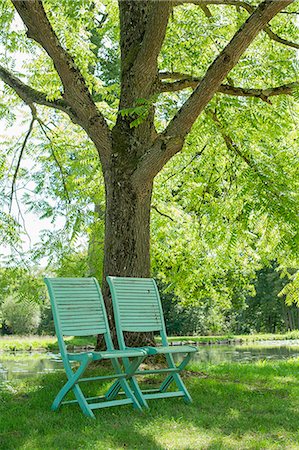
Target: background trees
point(222, 207)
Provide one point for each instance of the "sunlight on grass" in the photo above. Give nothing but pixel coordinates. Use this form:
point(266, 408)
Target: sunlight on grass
point(235, 406)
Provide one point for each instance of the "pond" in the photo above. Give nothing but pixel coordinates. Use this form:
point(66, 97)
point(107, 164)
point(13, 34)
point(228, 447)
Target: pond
point(263, 350)
point(21, 365)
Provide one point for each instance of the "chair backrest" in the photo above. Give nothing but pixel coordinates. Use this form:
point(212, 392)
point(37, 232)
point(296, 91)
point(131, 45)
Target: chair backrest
point(137, 306)
point(78, 306)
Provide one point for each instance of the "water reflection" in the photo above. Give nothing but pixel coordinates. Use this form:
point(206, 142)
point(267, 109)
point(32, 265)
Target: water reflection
point(26, 364)
point(217, 354)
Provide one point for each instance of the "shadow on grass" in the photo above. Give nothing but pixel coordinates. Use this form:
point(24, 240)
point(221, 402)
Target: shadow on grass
point(234, 407)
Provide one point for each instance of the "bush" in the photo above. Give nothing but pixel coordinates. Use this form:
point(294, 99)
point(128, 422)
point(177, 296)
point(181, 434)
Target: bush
point(191, 320)
point(20, 317)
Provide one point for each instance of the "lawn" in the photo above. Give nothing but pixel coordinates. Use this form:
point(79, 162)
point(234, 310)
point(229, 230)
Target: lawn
point(236, 406)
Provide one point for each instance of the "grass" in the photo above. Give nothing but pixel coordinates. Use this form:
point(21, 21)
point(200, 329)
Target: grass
point(235, 407)
point(237, 337)
point(49, 343)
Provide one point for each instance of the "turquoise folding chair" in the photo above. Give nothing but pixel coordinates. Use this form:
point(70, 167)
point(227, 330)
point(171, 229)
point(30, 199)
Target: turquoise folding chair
point(79, 310)
point(137, 308)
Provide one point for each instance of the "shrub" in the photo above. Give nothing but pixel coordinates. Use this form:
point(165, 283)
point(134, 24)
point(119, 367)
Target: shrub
point(20, 317)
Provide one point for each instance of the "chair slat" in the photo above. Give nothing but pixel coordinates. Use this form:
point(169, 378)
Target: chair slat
point(79, 306)
point(138, 303)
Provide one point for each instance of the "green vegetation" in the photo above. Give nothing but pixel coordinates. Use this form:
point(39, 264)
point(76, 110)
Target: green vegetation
point(237, 337)
point(28, 343)
point(223, 209)
point(206, 178)
point(236, 406)
point(20, 317)
point(266, 312)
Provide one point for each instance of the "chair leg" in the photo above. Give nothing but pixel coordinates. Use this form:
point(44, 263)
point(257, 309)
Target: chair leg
point(113, 390)
point(130, 393)
point(175, 377)
point(138, 392)
point(87, 411)
point(130, 368)
point(72, 384)
point(134, 387)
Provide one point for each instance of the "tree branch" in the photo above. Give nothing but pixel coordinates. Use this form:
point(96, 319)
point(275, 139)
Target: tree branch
point(196, 156)
point(146, 60)
point(143, 28)
point(31, 96)
point(172, 139)
point(43, 128)
point(15, 175)
point(76, 92)
point(250, 9)
point(183, 81)
point(232, 146)
point(206, 11)
point(161, 213)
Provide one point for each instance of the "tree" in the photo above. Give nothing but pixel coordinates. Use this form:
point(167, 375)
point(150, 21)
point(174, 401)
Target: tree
point(132, 152)
point(266, 312)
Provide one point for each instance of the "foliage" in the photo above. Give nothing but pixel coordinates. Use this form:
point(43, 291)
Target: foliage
point(21, 283)
point(181, 320)
point(222, 209)
point(20, 317)
point(266, 311)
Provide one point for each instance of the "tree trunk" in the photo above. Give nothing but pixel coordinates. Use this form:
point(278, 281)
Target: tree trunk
point(127, 239)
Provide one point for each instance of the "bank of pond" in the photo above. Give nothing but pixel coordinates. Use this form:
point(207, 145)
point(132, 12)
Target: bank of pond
point(16, 365)
point(245, 396)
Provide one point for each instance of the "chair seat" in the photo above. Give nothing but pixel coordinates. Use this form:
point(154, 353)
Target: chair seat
point(169, 349)
point(108, 354)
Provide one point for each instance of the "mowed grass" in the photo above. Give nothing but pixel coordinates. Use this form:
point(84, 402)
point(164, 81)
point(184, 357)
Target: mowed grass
point(235, 406)
point(246, 338)
point(34, 342)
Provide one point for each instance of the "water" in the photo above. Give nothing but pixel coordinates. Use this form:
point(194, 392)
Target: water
point(21, 365)
point(275, 350)
point(25, 364)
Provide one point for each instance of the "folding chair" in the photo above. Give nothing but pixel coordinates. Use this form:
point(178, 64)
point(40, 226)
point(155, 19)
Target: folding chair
point(137, 308)
point(79, 310)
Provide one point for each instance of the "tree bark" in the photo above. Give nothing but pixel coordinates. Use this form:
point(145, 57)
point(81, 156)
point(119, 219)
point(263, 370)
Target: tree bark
point(127, 238)
point(127, 229)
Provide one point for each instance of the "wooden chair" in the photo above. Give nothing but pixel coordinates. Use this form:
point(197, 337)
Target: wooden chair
point(79, 310)
point(137, 308)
